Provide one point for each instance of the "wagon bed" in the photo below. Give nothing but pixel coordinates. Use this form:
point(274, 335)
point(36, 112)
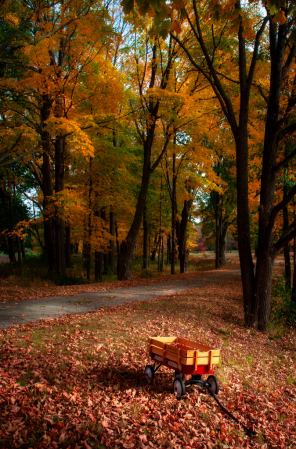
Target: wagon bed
point(183, 355)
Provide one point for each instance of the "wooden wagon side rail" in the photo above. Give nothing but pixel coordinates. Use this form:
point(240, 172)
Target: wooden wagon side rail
point(183, 352)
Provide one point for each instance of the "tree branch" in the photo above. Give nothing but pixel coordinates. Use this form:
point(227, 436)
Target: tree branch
point(283, 241)
point(285, 161)
point(255, 53)
point(280, 206)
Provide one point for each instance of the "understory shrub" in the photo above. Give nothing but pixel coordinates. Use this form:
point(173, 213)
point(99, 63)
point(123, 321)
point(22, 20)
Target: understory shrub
point(283, 308)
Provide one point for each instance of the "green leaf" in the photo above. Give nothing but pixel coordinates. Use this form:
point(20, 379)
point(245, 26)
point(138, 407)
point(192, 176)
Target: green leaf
point(273, 10)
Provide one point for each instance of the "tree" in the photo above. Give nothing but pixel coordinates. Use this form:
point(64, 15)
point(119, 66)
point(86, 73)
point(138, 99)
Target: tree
point(66, 74)
point(278, 49)
point(152, 74)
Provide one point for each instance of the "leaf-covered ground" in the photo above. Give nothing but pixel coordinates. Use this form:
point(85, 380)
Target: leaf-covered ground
point(78, 382)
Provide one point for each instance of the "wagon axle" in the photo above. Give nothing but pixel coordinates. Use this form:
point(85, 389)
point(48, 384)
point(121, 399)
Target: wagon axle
point(179, 385)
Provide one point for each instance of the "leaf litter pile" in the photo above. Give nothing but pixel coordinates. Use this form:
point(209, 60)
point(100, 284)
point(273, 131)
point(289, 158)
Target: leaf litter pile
point(78, 382)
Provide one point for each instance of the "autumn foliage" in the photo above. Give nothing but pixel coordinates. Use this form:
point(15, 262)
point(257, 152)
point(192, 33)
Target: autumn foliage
point(122, 125)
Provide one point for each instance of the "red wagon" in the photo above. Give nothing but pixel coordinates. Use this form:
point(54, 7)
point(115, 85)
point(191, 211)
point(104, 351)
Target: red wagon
point(185, 357)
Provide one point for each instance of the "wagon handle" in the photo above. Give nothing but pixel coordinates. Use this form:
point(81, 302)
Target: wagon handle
point(249, 432)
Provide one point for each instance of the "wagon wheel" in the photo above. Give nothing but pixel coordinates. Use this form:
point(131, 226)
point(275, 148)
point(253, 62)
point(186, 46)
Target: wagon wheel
point(214, 384)
point(179, 375)
point(149, 372)
point(178, 388)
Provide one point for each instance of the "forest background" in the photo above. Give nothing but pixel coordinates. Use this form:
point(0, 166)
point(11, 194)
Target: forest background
point(123, 125)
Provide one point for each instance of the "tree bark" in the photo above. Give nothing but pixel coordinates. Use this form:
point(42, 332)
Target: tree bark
point(218, 231)
point(105, 255)
point(285, 227)
point(19, 254)
point(293, 296)
point(174, 212)
point(112, 243)
point(145, 240)
point(68, 246)
point(47, 188)
point(98, 257)
point(11, 249)
point(23, 249)
point(222, 243)
point(117, 239)
point(124, 265)
point(59, 222)
point(242, 159)
point(98, 266)
point(182, 237)
point(168, 250)
point(221, 226)
point(266, 249)
point(287, 251)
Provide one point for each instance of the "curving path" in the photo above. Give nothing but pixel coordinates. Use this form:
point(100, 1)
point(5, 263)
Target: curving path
point(26, 311)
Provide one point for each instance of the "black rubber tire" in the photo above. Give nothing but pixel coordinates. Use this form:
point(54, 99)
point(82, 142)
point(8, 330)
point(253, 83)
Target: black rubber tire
point(179, 375)
point(178, 388)
point(149, 372)
point(214, 384)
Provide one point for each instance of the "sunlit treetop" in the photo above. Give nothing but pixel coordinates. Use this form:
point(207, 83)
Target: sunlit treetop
point(169, 15)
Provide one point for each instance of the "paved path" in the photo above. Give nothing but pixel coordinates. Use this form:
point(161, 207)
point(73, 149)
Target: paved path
point(56, 306)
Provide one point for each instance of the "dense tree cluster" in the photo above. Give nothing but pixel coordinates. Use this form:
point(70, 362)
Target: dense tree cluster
point(120, 124)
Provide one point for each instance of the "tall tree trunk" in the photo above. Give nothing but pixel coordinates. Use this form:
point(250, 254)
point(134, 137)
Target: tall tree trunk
point(59, 222)
point(88, 260)
point(153, 253)
point(162, 253)
point(98, 257)
point(174, 212)
point(124, 265)
point(98, 266)
point(160, 240)
point(293, 297)
point(287, 251)
point(182, 237)
point(145, 240)
point(49, 231)
point(159, 254)
point(89, 223)
point(222, 243)
point(19, 254)
point(112, 243)
point(6, 245)
point(218, 217)
point(168, 250)
point(68, 246)
point(266, 249)
point(11, 249)
point(47, 188)
point(285, 227)
point(23, 249)
point(105, 255)
point(242, 159)
point(117, 239)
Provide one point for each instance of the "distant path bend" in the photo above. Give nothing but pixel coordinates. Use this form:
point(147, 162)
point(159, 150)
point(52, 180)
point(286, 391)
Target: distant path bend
point(29, 310)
